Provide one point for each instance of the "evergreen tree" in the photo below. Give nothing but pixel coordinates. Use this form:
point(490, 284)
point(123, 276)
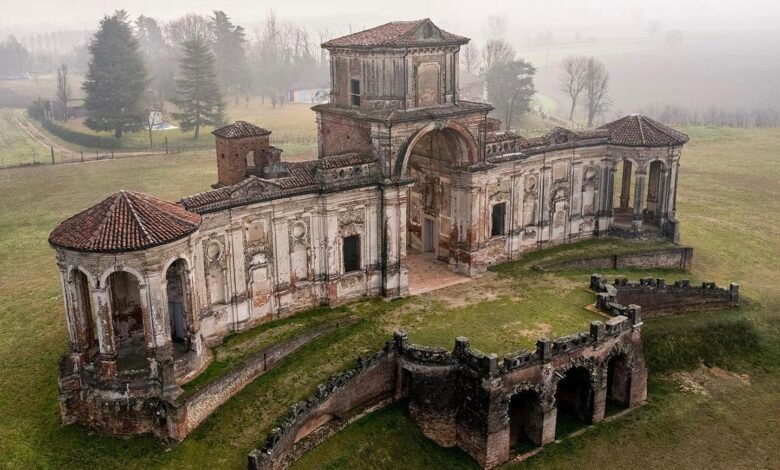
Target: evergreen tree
point(510, 87)
point(116, 78)
point(158, 55)
point(199, 100)
point(228, 44)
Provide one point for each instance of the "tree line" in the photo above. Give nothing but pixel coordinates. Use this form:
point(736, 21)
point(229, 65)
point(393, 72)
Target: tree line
point(129, 70)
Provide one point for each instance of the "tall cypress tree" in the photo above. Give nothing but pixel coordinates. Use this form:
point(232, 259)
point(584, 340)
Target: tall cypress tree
point(116, 78)
point(199, 100)
point(228, 44)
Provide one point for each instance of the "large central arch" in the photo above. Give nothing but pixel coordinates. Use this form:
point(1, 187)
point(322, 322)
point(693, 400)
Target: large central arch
point(431, 157)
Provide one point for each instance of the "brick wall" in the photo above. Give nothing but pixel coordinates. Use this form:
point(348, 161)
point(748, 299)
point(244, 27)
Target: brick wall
point(665, 258)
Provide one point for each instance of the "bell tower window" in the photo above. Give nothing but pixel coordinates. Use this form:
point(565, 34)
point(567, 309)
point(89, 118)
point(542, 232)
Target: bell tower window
point(354, 92)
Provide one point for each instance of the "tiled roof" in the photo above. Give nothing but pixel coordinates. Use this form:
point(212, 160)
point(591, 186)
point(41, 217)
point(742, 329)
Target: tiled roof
point(398, 34)
point(641, 131)
point(300, 178)
point(502, 136)
point(125, 221)
point(240, 129)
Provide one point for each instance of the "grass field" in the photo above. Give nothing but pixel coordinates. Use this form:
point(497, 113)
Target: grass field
point(16, 147)
point(728, 180)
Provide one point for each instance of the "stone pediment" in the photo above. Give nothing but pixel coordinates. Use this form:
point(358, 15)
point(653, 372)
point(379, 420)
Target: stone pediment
point(253, 186)
point(559, 135)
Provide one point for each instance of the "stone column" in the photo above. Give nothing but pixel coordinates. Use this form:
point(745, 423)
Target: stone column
point(625, 184)
point(155, 311)
point(547, 425)
point(638, 191)
point(599, 404)
point(663, 198)
point(609, 206)
point(105, 332)
point(392, 236)
point(75, 336)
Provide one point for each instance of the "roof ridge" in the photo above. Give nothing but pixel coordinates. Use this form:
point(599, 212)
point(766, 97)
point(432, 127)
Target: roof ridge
point(106, 218)
point(641, 129)
point(136, 217)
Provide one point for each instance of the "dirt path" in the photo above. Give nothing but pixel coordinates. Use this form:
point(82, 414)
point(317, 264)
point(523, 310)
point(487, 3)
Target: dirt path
point(35, 134)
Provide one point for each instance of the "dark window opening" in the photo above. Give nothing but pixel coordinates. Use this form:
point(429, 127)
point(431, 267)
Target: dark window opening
point(351, 253)
point(354, 92)
point(497, 220)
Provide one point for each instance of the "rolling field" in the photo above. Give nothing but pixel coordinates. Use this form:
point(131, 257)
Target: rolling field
point(698, 416)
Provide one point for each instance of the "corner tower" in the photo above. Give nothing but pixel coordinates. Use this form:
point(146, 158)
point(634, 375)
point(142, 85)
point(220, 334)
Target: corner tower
point(243, 149)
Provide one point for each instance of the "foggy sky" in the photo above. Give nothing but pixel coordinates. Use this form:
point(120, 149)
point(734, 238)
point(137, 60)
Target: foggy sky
point(466, 17)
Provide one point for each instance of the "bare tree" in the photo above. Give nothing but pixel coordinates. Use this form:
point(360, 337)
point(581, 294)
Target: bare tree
point(572, 80)
point(497, 51)
point(596, 88)
point(64, 92)
point(469, 58)
point(190, 27)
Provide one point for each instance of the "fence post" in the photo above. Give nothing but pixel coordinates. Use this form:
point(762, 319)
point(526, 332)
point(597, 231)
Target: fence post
point(97, 155)
point(52, 154)
point(82, 155)
point(166, 144)
point(112, 153)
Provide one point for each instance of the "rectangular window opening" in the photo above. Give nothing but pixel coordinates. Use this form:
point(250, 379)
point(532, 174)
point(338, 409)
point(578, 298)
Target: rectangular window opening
point(354, 92)
point(497, 220)
point(351, 253)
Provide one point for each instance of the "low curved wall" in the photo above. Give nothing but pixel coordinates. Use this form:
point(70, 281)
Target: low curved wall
point(677, 257)
point(657, 298)
point(184, 417)
point(372, 379)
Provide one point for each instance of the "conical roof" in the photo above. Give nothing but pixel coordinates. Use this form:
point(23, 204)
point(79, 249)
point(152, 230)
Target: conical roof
point(636, 130)
point(125, 221)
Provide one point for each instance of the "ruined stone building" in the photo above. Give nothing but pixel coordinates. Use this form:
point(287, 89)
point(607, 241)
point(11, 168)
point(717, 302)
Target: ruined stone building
point(404, 168)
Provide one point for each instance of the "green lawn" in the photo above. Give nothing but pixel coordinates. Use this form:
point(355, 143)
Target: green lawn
point(16, 147)
point(735, 239)
point(293, 129)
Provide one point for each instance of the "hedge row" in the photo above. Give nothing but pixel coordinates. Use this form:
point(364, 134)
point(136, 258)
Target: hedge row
point(79, 138)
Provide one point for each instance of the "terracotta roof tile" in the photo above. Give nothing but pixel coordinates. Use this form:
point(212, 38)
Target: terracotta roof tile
point(300, 178)
point(641, 131)
point(398, 34)
point(240, 129)
point(125, 221)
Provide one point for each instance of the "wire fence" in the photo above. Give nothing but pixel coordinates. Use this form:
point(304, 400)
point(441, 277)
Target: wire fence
point(41, 146)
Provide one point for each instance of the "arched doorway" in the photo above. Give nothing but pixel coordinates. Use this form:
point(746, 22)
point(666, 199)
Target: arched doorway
point(83, 305)
point(618, 383)
point(430, 160)
point(127, 318)
point(178, 297)
point(525, 420)
point(574, 399)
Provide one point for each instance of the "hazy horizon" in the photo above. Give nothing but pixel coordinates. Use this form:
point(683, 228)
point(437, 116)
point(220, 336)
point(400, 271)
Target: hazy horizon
point(338, 16)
